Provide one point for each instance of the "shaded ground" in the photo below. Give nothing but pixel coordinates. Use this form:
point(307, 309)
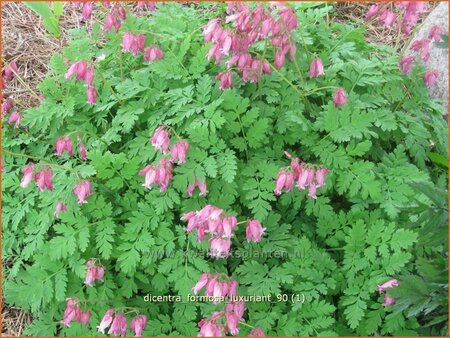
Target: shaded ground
point(26, 42)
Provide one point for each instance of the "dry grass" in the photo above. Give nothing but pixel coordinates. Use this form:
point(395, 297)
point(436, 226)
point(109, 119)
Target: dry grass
point(25, 41)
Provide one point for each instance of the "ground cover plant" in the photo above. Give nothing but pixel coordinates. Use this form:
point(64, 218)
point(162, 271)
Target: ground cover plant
point(233, 151)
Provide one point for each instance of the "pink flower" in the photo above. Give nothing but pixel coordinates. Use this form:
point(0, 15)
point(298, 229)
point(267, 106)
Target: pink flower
point(279, 59)
point(119, 325)
point(106, 321)
point(14, 118)
point(160, 140)
point(388, 18)
point(7, 105)
point(405, 64)
point(430, 77)
point(284, 180)
point(388, 300)
point(201, 186)
point(228, 226)
point(60, 207)
point(149, 5)
point(220, 247)
point(254, 231)
point(70, 312)
point(416, 45)
point(312, 188)
point(9, 71)
point(303, 178)
point(226, 80)
point(373, 10)
point(234, 312)
point(178, 152)
point(79, 68)
point(150, 174)
point(340, 97)
point(88, 7)
point(320, 177)
point(91, 95)
point(133, 43)
point(316, 68)
point(44, 179)
point(93, 273)
point(83, 317)
point(89, 77)
point(62, 144)
point(82, 191)
point(425, 51)
point(111, 21)
point(389, 284)
point(209, 328)
point(204, 279)
point(138, 324)
point(257, 332)
point(153, 53)
point(82, 150)
point(27, 175)
point(164, 173)
point(435, 33)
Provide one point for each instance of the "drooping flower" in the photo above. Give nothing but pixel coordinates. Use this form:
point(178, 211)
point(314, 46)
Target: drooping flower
point(27, 175)
point(387, 18)
point(160, 140)
point(320, 177)
point(389, 284)
point(70, 312)
point(220, 247)
point(83, 317)
point(82, 149)
point(405, 64)
point(112, 20)
point(430, 77)
point(149, 5)
point(106, 321)
point(257, 332)
point(82, 191)
point(138, 324)
point(119, 325)
point(88, 7)
point(133, 43)
point(254, 231)
point(79, 68)
point(7, 105)
point(209, 327)
point(9, 71)
point(204, 278)
point(91, 94)
point(234, 312)
point(435, 33)
point(284, 180)
point(94, 272)
point(388, 300)
point(417, 45)
point(226, 80)
point(60, 207)
point(153, 53)
point(316, 68)
point(373, 10)
point(312, 188)
point(178, 152)
point(201, 186)
point(62, 144)
point(14, 118)
point(44, 179)
point(340, 97)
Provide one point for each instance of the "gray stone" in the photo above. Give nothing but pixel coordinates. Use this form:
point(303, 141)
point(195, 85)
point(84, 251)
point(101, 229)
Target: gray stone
point(438, 56)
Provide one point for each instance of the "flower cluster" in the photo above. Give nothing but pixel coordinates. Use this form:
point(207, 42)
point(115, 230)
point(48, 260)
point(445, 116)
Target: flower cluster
point(135, 44)
point(212, 220)
point(84, 72)
point(216, 288)
point(94, 272)
point(248, 27)
point(148, 5)
point(408, 11)
point(115, 16)
point(161, 174)
point(422, 46)
point(388, 300)
point(8, 104)
point(64, 144)
point(43, 178)
point(301, 175)
point(117, 323)
point(73, 311)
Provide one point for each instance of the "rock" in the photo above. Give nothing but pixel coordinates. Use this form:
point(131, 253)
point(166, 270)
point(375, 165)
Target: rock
point(438, 56)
